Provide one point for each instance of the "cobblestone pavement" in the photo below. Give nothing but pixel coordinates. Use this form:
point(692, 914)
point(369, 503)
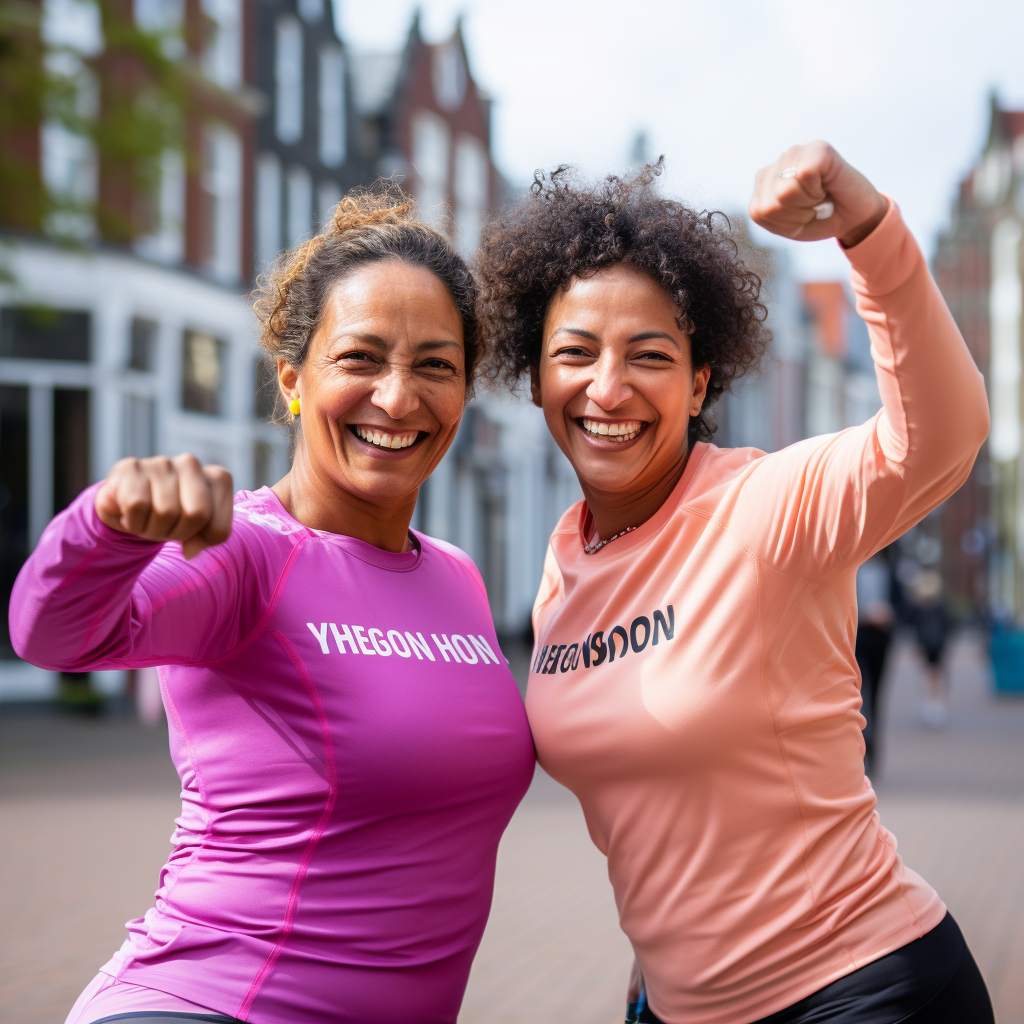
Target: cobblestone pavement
point(86, 808)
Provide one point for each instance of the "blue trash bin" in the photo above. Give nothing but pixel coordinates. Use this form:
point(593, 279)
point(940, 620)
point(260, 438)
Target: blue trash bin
point(1007, 650)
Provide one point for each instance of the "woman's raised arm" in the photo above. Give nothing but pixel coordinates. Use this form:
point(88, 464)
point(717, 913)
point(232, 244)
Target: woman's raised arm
point(836, 499)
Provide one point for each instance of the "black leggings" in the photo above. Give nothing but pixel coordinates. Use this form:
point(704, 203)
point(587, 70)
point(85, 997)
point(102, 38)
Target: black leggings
point(932, 980)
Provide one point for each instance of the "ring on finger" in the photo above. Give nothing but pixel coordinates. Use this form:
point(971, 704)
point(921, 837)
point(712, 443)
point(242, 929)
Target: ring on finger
point(789, 172)
point(824, 210)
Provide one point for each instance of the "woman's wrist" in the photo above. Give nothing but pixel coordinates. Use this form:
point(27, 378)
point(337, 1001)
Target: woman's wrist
point(857, 235)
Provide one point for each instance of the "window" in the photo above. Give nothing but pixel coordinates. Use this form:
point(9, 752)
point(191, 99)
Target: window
point(39, 333)
point(202, 376)
point(73, 25)
point(332, 106)
point(222, 186)
point(70, 445)
point(288, 80)
point(166, 18)
point(300, 205)
point(139, 427)
point(472, 170)
point(222, 55)
point(328, 195)
point(268, 209)
point(1006, 309)
point(14, 488)
point(431, 141)
point(266, 390)
point(142, 349)
point(164, 213)
point(449, 75)
point(262, 464)
point(67, 158)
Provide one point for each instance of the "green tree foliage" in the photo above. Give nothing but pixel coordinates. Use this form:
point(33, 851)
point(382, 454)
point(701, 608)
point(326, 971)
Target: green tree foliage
point(130, 102)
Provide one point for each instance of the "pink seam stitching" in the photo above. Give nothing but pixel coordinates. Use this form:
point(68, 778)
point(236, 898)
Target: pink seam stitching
point(307, 856)
point(260, 626)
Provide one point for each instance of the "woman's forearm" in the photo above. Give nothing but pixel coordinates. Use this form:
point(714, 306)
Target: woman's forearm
point(71, 607)
point(935, 410)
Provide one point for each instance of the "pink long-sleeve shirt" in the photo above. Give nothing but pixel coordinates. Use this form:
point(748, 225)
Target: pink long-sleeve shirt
point(351, 746)
point(694, 682)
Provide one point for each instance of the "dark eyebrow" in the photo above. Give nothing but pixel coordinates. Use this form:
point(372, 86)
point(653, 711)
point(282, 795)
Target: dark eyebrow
point(648, 335)
point(578, 331)
point(439, 344)
point(379, 342)
point(645, 336)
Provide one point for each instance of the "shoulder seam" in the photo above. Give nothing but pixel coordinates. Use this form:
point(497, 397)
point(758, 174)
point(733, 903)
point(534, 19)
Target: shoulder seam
point(272, 604)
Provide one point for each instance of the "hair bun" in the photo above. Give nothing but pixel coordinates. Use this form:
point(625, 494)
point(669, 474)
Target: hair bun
point(364, 208)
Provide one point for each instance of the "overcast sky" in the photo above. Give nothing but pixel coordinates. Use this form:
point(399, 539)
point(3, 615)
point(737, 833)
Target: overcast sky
point(898, 86)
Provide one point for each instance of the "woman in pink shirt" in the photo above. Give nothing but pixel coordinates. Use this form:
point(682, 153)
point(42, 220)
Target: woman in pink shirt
point(350, 742)
point(694, 679)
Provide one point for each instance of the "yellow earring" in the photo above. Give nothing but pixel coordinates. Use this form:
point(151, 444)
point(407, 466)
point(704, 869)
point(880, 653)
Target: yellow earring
point(294, 406)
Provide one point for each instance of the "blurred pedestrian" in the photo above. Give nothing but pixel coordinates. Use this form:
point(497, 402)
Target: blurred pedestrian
point(350, 742)
point(931, 623)
point(694, 679)
point(875, 616)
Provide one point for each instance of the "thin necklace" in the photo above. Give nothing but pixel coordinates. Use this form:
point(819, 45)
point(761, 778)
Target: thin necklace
point(589, 549)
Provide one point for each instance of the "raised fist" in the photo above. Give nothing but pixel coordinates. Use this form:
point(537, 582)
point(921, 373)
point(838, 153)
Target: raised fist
point(168, 499)
point(804, 177)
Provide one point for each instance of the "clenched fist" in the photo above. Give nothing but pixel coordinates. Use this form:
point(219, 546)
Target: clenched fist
point(787, 191)
point(168, 499)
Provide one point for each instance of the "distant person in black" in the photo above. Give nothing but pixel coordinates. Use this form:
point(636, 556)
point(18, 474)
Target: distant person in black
point(875, 617)
point(931, 624)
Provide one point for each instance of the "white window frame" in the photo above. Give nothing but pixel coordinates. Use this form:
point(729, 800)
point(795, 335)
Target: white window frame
point(268, 209)
point(222, 56)
point(332, 106)
point(431, 149)
point(472, 181)
point(299, 190)
point(222, 182)
point(288, 79)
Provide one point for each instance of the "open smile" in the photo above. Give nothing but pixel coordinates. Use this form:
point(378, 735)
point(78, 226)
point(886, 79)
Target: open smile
point(610, 433)
point(382, 441)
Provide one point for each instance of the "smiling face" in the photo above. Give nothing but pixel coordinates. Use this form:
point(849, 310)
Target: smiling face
point(617, 386)
point(383, 385)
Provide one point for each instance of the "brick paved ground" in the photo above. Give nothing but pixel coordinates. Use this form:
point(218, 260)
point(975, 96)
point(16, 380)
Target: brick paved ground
point(86, 809)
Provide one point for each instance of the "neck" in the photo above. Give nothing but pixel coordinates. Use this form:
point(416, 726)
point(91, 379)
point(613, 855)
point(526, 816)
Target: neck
point(318, 502)
point(614, 511)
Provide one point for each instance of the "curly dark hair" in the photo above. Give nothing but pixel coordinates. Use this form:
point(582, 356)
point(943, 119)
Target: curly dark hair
point(564, 230)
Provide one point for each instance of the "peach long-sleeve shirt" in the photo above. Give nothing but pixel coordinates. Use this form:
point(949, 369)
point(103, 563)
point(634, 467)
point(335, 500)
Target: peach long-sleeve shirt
point(694, 682)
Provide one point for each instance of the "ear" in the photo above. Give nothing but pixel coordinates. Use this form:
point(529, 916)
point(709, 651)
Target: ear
point(700, 389)
point(287, 379)
point(535, 386)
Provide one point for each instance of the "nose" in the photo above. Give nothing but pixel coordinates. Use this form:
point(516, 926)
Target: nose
point(395, 394)
point(609, 388)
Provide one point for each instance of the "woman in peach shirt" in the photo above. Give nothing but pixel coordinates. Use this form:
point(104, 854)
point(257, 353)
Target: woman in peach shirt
point(694, 679)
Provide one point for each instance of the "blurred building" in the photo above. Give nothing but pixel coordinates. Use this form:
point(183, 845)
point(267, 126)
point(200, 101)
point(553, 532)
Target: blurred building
point(818, 376)
point(309, 149)
point(979, 266)
point(504, 483)
point(125, 327)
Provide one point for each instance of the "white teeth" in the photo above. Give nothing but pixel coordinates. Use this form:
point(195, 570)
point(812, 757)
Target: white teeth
point(624, 431)
point(383, 440)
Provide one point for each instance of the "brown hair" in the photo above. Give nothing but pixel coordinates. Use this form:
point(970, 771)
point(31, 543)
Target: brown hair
point(366, 227)
point(566, 229)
